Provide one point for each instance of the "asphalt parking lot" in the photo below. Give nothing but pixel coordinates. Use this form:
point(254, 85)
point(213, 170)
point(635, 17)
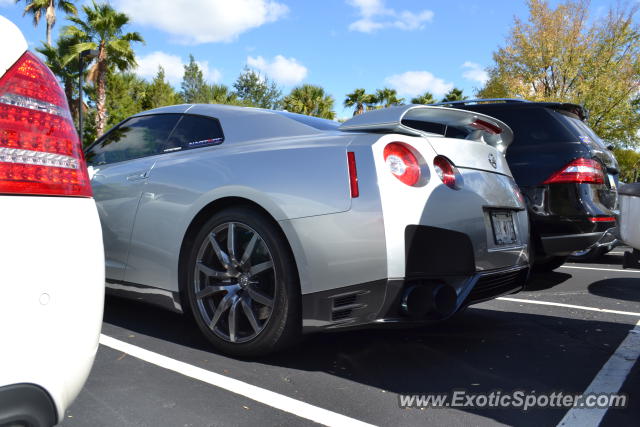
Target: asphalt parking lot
point(570, 330)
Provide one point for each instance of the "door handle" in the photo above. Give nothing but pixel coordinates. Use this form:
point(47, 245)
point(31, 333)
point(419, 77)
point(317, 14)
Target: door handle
point(138, 176)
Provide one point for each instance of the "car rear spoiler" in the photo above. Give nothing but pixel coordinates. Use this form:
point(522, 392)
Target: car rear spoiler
point(479, 127)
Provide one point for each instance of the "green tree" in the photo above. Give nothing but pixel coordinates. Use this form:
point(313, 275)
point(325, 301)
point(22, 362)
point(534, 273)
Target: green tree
point(221, 94)
point(256, 90)
point(562, 55)
point(102, 29)
point(126, 95)
point(194, 87)
point(159, 93)
point(67, 72)
point(359, 99)
point(425, 98)
point(388, 97)
point(37, 7)
point(454, 94)
point(629, 163)
point(310, 100)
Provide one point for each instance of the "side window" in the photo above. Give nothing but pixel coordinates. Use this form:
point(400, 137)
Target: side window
point(194, 132)
point(137, 137)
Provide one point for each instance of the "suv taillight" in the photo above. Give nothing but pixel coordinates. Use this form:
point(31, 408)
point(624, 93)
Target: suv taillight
point(40, 151)
point(579, 171)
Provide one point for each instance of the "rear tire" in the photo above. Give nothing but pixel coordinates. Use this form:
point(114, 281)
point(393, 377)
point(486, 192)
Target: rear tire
point(242, 284)
point(549, 264)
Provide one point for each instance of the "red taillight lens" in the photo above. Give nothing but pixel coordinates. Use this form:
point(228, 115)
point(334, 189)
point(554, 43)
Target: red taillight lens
point(402, 163)
point(446, 171)
point(579, 171)
point(353, 174)
point(40, 151)
point(595, 219)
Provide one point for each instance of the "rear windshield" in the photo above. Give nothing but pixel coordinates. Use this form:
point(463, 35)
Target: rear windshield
point(533, 126)
point(580, 129)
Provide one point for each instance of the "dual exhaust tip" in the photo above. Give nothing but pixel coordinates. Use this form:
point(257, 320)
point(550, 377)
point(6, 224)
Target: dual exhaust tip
point(429, 300)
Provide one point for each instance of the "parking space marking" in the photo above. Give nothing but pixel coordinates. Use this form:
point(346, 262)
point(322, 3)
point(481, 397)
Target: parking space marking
point(577, 307)
point(600, 269)
point(608, 380)
point(270, 398)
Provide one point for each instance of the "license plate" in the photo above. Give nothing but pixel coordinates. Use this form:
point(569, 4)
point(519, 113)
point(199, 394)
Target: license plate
point(612, 181)
point(504, 231)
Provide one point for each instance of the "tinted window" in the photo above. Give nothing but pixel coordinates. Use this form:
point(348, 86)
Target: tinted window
point(193, 132)
point(135, 138)
point(532, 126)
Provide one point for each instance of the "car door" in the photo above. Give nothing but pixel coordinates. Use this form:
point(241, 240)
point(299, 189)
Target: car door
point(167, 200)
point(119, 165)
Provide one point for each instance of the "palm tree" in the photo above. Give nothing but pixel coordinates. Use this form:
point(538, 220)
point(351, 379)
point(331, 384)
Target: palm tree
point(67, 72)
point(359, 98)
point(36, 7)
point(425, 98)
point(388, 97)
point(102, 29)
point(454, 94)
point(310, 100)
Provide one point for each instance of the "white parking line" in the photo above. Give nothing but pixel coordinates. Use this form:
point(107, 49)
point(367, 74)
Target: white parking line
point(270, 398)
point(577, 307)
point(608, 380)
point(601, 269)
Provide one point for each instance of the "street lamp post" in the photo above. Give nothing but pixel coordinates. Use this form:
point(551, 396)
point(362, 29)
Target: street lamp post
point(85, 54)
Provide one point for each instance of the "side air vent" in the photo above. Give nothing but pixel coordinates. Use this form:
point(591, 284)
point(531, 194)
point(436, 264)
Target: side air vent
point(344, 305)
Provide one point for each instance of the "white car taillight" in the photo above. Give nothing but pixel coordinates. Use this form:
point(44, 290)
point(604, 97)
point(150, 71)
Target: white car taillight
point(402, 163)
point(40, 152)
point(446, 171)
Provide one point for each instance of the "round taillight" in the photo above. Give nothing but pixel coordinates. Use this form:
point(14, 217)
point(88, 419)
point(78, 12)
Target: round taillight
point(402, 163)
point(445, 170)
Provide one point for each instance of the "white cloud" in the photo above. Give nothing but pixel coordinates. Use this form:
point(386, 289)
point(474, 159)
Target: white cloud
point(203, 21)
point(414, 83)
point(375, 16)
point(475, 72)
point(286, 71)
point(173, 67)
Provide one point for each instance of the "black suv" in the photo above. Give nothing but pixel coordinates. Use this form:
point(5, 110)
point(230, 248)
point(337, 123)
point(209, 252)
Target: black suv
point(566, 172)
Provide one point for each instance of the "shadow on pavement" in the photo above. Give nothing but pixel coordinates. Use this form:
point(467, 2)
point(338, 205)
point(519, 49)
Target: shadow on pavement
point(542, 281)
point(481, 351)
point(627, 289)
point(606, 259)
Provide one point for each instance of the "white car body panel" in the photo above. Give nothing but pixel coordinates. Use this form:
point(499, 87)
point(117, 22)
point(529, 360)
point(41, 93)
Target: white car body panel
point(51, 280)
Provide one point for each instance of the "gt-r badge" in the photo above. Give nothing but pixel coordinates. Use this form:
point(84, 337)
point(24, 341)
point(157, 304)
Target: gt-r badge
point(493, 161)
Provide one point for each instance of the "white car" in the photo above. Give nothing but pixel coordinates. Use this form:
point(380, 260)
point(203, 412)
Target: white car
point(51, 253)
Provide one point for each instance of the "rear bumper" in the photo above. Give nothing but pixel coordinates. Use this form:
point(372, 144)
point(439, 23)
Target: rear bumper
point(26, 404)
point(569, 243)
point(51, 292)
point(381, 302)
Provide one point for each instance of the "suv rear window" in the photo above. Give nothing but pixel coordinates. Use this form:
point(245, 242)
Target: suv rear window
point(533, 126)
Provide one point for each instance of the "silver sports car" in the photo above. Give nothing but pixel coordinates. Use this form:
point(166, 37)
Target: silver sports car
point(266, 224)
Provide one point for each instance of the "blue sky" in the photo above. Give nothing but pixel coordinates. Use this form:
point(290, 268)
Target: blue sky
point(410, 45)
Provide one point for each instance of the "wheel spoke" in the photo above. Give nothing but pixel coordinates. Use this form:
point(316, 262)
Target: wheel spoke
point(233, 319)
point(259, 297)
point(231, 242)
point(221, 308)
point(248, 251)
point(210, 290)
point(259, 268)
point(251, 317)
point(224, 259)
point(210, 272)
